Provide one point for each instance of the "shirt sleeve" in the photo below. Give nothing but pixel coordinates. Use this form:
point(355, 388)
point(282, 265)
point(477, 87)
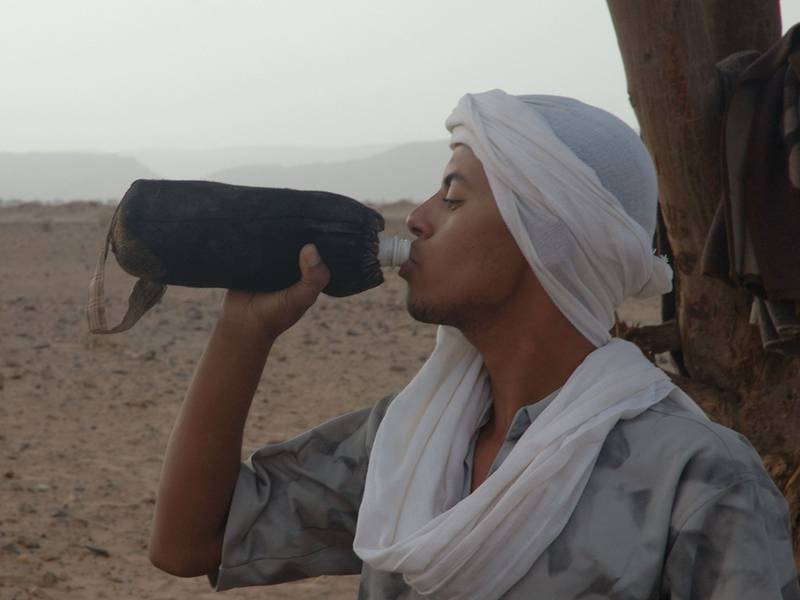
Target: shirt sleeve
point(295, 505)
point(736, 545)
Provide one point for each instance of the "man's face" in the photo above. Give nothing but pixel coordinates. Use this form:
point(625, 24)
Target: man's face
point(465, 264)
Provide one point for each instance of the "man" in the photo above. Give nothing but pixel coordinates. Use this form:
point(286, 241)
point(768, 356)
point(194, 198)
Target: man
point(532, 455)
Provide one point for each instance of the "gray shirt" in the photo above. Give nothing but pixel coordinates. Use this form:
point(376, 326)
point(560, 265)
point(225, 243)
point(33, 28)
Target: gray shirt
point(676, 507)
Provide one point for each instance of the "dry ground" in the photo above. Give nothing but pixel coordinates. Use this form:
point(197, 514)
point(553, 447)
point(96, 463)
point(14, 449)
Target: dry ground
point(84, 419)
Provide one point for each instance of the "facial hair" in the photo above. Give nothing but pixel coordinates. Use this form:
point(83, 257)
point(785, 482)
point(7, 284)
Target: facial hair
point(453, 315)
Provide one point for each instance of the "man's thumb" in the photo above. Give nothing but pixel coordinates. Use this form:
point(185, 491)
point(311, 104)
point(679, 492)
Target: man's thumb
point(313, 271)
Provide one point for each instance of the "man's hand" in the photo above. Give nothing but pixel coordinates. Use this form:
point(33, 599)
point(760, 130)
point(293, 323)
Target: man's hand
point(274, 312)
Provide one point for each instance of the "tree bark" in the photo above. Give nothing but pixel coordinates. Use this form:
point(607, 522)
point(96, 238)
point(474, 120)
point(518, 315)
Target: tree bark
point(670, 50)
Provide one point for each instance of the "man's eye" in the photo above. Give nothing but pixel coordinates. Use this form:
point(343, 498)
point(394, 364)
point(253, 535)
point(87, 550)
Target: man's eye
point(451, 202)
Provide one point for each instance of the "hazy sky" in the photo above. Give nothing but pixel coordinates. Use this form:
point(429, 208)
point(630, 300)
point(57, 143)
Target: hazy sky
point(108, 75)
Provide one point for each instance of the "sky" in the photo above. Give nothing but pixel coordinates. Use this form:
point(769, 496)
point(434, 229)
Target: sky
point(113, 75)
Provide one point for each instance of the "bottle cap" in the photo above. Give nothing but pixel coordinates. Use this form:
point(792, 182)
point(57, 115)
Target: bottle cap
point(393, 251)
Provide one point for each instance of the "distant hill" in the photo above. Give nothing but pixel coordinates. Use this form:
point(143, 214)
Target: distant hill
point(411, 171)
point(175, 163)
point(55, 176)
point(408, 171)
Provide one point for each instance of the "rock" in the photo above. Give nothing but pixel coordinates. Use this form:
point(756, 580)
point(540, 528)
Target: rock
point(27, 509)
point(11, 549)
point(29, 544)
point(98, 551)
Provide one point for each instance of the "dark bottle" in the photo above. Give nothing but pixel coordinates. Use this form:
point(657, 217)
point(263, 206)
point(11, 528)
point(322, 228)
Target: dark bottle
point(208, 234)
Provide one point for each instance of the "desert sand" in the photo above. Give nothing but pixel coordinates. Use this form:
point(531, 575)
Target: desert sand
point(84, 419)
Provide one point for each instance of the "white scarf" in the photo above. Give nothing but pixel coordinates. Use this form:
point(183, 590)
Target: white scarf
point(412, 519)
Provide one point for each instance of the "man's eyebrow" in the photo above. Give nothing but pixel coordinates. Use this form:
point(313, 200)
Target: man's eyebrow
point(455, 175)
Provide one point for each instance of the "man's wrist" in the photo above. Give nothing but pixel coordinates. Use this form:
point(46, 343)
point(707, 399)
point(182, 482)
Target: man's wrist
point(244, 332)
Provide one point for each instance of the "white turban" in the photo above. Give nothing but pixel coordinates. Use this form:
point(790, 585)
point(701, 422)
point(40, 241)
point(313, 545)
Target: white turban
point(589, 255)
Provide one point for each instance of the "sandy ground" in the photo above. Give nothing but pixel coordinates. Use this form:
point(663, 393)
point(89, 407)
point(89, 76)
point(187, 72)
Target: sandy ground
point(84, 419)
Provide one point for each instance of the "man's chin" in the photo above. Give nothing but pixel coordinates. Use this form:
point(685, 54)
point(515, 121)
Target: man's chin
point(427, 312)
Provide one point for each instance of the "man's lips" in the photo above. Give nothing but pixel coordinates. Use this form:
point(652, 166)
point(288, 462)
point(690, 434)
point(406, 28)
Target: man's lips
point(405, 268)
point(409, 264)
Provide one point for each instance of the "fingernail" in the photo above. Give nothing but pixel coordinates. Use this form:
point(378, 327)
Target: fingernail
point(313, 256)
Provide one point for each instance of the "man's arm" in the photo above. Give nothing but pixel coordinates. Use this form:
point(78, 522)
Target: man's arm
point(203, 454)
point(735, 546)
point(204, 451)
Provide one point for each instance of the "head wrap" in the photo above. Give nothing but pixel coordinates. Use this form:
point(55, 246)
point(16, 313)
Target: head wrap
point(610, 148)
point(589, 254)
point(586, 250)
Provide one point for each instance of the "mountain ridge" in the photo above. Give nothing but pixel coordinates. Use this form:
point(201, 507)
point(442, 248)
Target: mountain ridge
point(406, 171)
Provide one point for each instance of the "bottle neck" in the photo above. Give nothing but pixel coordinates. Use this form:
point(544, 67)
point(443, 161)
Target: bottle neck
point(393, 251)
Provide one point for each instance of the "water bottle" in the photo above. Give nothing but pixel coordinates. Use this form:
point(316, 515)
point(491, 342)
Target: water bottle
point(209, 234)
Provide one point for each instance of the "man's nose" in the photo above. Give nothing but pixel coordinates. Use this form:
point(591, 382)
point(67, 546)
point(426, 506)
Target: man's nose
point(417, 222)
point(413, 224)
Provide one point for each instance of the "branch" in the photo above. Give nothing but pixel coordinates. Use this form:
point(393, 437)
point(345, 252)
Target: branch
point(652, 339)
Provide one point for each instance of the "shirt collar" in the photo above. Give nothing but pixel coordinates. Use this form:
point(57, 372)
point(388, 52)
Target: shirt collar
point(523, 418)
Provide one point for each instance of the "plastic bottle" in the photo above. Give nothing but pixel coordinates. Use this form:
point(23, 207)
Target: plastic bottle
point(209, 234)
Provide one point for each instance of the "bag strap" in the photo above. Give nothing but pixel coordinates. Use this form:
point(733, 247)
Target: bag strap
point(144, 296)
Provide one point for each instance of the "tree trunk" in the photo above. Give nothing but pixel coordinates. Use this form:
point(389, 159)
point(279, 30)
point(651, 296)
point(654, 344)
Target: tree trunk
point(670, 50)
